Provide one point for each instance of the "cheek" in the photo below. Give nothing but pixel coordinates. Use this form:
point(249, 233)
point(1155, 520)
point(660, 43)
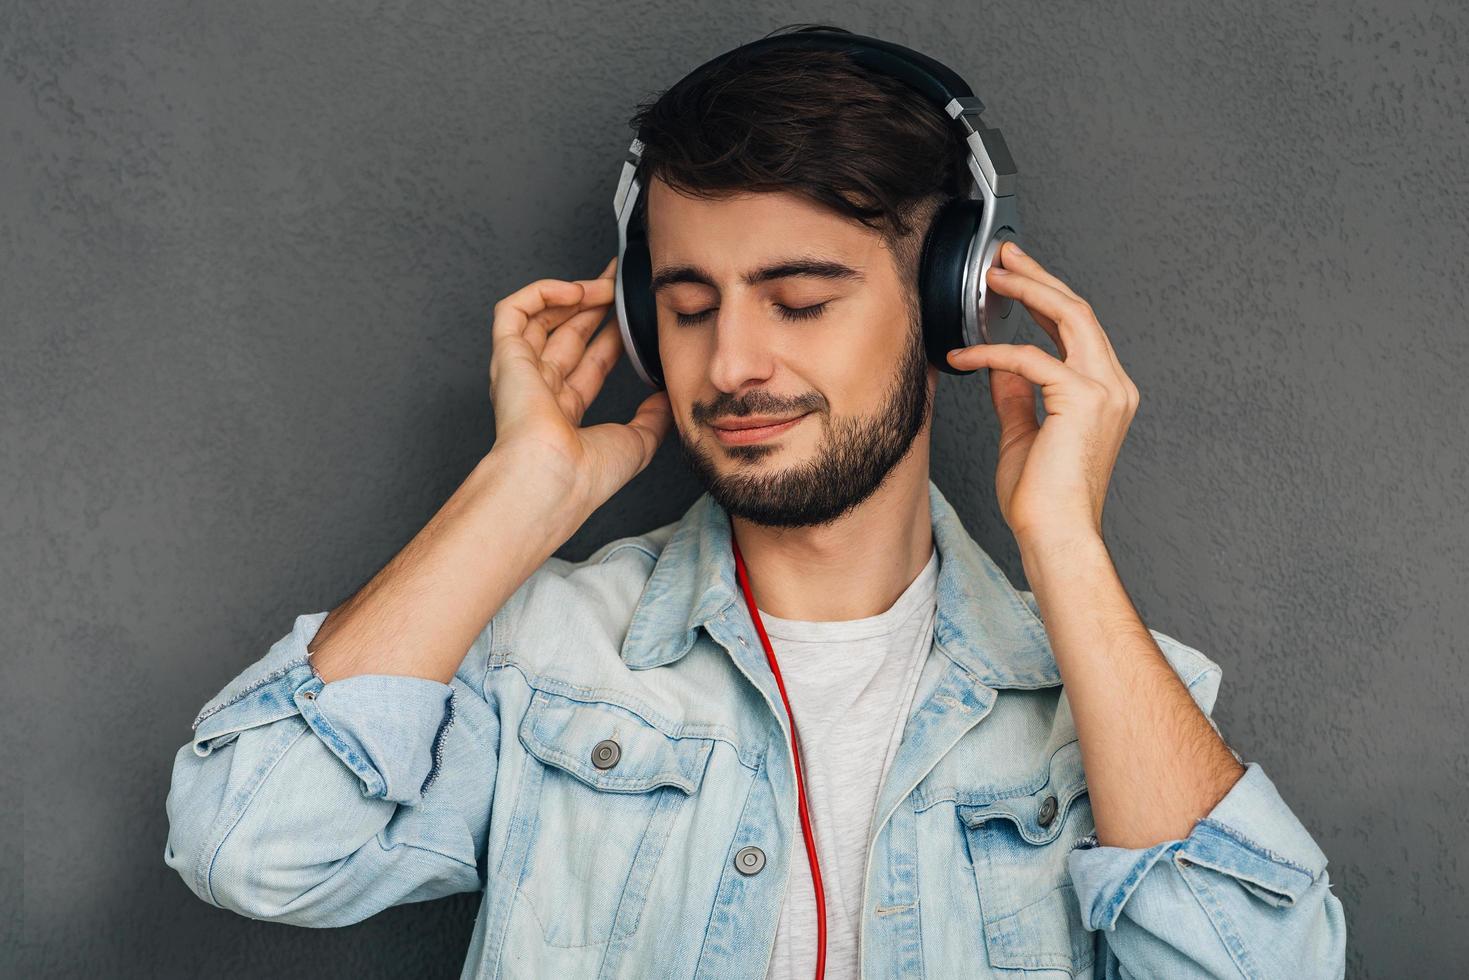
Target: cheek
point(683, 351)
point(862, 358)
point(850, 357)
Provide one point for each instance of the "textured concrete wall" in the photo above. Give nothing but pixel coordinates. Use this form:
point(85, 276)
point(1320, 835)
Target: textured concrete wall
point(247, 258)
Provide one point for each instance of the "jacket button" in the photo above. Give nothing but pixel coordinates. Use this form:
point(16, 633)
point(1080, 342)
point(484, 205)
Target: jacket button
point(749, 860)
point(1048, 811)
point(605, 754)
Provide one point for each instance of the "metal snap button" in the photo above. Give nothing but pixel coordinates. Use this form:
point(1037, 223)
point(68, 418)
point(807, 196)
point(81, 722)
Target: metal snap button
point(749, 860)
point(309, 695)
point(1048, 811)
point(605, 754)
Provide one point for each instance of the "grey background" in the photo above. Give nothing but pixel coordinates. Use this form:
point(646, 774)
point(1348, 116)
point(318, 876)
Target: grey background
point(248, 254)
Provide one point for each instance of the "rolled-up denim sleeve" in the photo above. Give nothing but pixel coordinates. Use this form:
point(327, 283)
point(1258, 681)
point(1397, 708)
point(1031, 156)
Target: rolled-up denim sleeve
point(1245, 894)
point(320, 804)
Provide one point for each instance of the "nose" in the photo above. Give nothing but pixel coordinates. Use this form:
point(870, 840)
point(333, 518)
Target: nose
point(744, 347)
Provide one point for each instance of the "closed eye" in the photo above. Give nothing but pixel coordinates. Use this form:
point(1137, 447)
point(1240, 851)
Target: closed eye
point(786, 313)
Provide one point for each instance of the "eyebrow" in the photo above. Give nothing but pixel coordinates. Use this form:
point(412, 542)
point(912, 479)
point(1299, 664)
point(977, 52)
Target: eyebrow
point(785, 268)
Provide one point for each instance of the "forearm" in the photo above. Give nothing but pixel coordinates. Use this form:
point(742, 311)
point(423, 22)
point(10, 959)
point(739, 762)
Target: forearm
point(1154, 763)
point(419, 614)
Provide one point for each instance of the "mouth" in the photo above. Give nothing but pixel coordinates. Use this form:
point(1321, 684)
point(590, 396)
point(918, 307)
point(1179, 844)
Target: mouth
point(740, 437)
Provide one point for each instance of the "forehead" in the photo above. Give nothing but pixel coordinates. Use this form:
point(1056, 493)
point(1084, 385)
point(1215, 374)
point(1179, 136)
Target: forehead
point(736, 227)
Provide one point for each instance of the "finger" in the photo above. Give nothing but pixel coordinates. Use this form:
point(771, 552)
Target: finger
point(1015, 370)
point(518, 383)
point(1014, 399)
point(1044, 322)
point(513, 312)
point(1014, 260)
point(1026, 360)
point(598, 292)
point(548, 320)
point(601, 291)
point(1076, 327)
point(564, 348)
point(585, 380)
point(569, 338)
point(516, 314)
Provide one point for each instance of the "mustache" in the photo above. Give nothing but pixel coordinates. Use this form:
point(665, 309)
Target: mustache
point(756, 403)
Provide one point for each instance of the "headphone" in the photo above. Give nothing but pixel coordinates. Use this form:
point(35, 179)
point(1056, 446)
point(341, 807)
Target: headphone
point(958, 308)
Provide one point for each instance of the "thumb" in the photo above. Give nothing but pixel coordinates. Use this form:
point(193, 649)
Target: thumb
point(632, 445)
point(624, 450)
point(652, 421)
point(1013, 396)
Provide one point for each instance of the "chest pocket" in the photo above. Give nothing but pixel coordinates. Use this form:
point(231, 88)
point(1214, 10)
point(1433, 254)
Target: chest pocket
point(598, 810)
point(1019, 844)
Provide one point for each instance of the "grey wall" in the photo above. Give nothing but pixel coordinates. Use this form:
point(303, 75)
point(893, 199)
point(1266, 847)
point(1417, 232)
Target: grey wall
point(248, 254)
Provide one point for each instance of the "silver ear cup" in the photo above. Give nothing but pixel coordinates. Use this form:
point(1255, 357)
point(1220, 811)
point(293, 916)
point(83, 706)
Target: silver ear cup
point(624, 202)
point(997, 321)
point(628, 346)
point(989, 318)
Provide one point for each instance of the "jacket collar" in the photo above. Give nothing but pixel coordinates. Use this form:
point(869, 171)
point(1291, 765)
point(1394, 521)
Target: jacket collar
point(983, 622)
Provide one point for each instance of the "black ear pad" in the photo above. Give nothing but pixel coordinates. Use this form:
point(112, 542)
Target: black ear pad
point(636, 270)
point(941, 278)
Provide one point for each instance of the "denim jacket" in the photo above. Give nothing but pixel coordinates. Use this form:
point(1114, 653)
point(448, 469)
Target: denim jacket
point(614, 739)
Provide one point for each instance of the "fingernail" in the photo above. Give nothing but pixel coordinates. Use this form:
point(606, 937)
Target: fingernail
point(998, 271)
point(1016, 249)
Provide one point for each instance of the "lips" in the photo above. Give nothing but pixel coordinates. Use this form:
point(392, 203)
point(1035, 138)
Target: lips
point(755, 422)
point(747, 433)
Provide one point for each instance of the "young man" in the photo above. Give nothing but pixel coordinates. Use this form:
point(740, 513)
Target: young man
point(995, 779)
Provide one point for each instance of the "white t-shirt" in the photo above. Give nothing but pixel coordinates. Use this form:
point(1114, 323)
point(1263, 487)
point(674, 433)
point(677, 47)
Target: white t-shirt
point(850, 685)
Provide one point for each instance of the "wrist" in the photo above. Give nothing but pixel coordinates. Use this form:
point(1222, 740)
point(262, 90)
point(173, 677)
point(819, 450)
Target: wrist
point(1066, 546)
point(539, 493)
point(1066, 566)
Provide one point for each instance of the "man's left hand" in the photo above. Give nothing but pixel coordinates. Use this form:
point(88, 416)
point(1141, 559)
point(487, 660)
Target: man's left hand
point(1052, 477)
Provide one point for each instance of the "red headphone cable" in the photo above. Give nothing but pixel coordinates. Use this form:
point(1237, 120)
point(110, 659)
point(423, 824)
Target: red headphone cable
point(796, 757)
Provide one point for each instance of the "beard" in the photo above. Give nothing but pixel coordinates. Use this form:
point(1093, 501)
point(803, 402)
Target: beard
point(851, 463)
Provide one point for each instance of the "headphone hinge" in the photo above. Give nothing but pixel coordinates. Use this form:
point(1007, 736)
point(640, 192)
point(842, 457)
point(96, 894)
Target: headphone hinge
point(965, 109)
point(629, 170)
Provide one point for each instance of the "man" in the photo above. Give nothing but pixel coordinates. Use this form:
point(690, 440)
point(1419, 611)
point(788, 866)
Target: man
point(985, 779)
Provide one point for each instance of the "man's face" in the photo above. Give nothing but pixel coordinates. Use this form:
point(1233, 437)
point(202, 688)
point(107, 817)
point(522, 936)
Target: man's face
point(732, 351)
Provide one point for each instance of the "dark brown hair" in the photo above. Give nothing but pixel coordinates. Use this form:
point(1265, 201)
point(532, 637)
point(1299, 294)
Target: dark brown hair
point(814, 123)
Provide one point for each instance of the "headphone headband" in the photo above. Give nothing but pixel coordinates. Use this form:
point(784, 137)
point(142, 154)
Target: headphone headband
point(933, 78)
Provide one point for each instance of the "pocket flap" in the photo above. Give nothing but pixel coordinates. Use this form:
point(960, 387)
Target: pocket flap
point(564, 732)
point(1064, 782)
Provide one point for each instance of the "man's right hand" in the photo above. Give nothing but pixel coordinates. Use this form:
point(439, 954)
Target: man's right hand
point(543, 375)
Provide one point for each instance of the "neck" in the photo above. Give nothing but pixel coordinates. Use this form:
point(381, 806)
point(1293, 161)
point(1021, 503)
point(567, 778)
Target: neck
point(855, 567)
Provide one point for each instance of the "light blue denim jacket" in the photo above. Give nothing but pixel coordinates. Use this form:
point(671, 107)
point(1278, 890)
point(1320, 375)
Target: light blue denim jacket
point(614, 737)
